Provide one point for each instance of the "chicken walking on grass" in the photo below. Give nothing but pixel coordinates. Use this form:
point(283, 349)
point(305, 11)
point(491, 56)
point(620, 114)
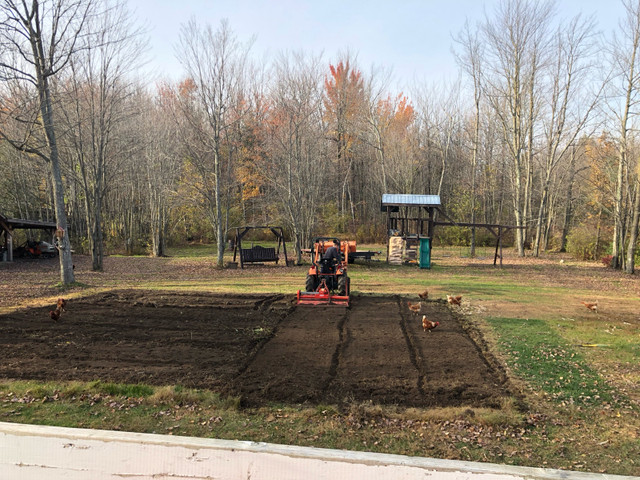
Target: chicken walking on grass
point(424, 295)
point(451, 300)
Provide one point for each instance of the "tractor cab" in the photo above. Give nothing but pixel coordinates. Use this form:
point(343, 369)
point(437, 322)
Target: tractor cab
point(327, 282)
point(327, 255)
point(327, 265)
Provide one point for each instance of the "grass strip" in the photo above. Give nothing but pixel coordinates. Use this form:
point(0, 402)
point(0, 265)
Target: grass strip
point(542, 358)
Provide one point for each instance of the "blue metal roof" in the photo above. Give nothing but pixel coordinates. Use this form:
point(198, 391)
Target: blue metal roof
point(410, 199)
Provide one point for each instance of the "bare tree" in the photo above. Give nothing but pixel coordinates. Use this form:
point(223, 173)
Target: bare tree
point(98, 93)
point(391, 122)
point(215, 61)
point(572, 170)
point(439, 112)
point(37, 41)
point(623, 96)
point(295, 162)
point(470, 58)
point(160, 154)
point(515, 53)
point(375, 89)
point(567, 107)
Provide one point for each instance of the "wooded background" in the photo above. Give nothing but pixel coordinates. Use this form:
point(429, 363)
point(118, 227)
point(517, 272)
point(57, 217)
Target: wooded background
point(539, 131)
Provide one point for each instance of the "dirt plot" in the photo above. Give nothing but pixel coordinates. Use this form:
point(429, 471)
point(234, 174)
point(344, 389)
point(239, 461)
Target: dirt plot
point(262, 348)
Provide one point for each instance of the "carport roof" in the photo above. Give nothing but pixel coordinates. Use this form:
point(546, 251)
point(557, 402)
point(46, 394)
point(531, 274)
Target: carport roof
point(13, 223)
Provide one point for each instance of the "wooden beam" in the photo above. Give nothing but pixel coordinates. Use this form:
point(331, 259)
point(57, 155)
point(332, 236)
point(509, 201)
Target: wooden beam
point(3, 223)
point(432, 224)
point(388, 230)
point(485, 225)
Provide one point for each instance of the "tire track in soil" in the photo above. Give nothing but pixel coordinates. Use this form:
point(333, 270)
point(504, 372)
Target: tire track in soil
point(295, 364)
point(456, 371)
point(374, 362)
point(267, 315)
point(266, 302)
point(415, 351)
point(345, 339)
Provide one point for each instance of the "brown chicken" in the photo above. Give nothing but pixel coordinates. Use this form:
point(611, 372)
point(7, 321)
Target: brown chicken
point(424, 295)
point(55, 314)
point(428, 324)
point(454, 300)
point(593, 306)
point(61, 304)
point(415, 307)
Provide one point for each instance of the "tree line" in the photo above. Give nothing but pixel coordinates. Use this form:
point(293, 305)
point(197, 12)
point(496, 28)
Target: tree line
point(539, 131)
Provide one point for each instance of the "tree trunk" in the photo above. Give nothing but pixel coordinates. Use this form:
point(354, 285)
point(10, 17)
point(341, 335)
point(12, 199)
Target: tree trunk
point(64, 247)
point(598, 234)
point(542, 211)
point(474, 163)
point(568, 212)
point(94, 232)
point(616, 249)
point(218, 197)
point(633, 233)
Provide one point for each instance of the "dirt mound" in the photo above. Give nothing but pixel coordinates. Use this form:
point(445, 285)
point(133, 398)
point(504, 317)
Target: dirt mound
point(263, 348)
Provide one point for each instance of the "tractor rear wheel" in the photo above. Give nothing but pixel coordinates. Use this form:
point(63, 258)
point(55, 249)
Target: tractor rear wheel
point(310, 285)
point(343, 285)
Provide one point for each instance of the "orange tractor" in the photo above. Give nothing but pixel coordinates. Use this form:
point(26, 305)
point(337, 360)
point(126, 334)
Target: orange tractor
point(327, 282)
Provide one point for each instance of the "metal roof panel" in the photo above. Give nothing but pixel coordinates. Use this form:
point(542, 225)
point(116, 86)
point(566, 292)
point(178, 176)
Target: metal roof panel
point(410, 199)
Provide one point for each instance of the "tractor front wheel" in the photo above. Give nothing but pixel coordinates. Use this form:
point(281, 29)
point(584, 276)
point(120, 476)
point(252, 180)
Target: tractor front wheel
point(310, 285)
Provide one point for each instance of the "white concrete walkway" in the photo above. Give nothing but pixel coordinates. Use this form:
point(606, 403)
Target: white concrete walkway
point(30, 452)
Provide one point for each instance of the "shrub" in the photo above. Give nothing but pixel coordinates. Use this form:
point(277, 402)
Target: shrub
point(332, 221)
point(583, 245)
point(453, 236)
point(606, 260)
point(484, 238)
point(371, 233)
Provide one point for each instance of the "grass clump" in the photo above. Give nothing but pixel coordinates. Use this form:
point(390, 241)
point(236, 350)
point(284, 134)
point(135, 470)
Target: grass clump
point(125, 389)
point(63, 287)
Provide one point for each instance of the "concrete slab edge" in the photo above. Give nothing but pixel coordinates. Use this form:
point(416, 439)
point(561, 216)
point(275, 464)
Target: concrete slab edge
point(329, 455)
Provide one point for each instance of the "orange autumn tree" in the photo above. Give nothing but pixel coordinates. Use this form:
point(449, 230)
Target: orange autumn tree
point(394, 145)
point(343, 102)
point(344, 106)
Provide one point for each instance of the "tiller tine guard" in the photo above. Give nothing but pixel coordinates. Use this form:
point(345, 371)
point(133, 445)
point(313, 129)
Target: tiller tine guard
point(322, 297)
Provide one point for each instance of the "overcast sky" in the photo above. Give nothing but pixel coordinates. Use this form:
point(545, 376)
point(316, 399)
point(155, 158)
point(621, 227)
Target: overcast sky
point(412, 37)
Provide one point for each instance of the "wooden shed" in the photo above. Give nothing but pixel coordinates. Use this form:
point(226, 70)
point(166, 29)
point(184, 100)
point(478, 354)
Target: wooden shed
point(410, 218)
point(410, 215)
point(8, 225)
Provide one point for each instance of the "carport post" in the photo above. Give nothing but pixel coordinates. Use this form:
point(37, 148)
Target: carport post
point(9, 238)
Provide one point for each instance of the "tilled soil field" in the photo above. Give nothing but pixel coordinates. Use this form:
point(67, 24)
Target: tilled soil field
point(262, 348)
